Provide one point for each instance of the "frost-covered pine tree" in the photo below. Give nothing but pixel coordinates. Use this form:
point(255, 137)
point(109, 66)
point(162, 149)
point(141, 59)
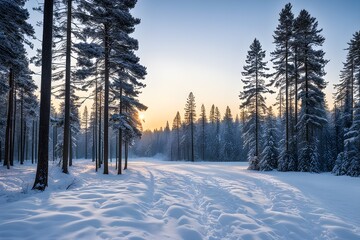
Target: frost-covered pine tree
point(108, 25)
point(270, 154)
point(352, 144)
point(283, 79)
point(312, 117)
point(176, 133)
point(227, 140)
point(348, 93)
point(190, 115)
point(202, 132)
point(13, 32)
point(253, 100)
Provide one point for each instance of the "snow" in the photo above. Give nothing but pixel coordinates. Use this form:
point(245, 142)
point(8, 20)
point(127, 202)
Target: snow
point(178, 200)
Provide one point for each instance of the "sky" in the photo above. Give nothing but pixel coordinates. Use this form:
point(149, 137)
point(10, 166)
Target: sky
point(200, 46)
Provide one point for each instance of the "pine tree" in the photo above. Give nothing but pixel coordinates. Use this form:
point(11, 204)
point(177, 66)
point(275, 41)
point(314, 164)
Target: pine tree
point(312, 116)
point(203, 124)
point(109, 30)
point(176, 128)
point(13, 32)
point(282, 78)
point(348, 93)
point(253, 99)
point(270, 154)
point(228, 137)
point(190, 115)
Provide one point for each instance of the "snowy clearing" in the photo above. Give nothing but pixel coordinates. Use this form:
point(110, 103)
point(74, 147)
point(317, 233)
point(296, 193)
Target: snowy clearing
point(178, 200)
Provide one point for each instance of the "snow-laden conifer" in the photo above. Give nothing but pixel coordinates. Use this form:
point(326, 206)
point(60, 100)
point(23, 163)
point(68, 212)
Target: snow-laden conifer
point(253, 99)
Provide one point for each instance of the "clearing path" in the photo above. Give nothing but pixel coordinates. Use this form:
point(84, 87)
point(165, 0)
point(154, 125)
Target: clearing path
point(179, 200)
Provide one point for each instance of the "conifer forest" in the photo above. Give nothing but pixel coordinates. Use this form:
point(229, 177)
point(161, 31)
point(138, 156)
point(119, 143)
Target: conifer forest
point(113, 122)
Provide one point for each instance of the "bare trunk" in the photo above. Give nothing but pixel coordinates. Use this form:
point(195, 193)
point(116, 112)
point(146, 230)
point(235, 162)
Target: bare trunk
point(41, 179)
point(9, 121)
point(106, 102)
point(120, 134)
point(67, 127)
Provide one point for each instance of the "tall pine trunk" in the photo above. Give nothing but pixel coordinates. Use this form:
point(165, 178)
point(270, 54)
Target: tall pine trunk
point(96, 123)
point(41, 179)
point(120, 134)
point(22, 127)
point(286, 98)
point(256, 114)
point(67, 129)
point(33, 142)
point(106, 101)
point(12, 153)
point(126, 154)
point(99, 131)
point(86, 138)
point(9, 121)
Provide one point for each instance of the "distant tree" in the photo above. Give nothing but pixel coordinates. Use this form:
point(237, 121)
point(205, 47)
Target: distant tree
point(253, 99)
point(190, 115)
point(203, 124)
point(227, 148)
point(176, 128)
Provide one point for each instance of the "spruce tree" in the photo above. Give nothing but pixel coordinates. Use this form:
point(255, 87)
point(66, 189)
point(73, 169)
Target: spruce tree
point(176, 128)
point(253, 99)
point(107, 33)
point(227, 140)
point(312, 116)
point(282, 78)
point(190, 115)
point(203, 125)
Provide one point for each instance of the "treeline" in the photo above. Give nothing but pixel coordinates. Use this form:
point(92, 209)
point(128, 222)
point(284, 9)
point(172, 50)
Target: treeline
point(86, 47)
point(214, 138)
point(305, 136)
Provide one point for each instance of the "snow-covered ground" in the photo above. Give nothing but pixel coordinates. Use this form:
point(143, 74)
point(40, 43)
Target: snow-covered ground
point(178, 200)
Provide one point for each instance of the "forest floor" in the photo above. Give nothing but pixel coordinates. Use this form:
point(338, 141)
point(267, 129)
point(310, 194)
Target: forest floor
point(155, 199)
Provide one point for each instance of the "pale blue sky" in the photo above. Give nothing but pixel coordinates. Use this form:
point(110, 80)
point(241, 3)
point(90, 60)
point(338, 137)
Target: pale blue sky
point(201, 45)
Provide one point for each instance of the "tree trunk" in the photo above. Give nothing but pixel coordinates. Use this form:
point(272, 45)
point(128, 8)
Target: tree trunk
point(21, 147)
point(96, 122)
point(86, 138)
point(99, 141)
point(36, 140)
point(70, 149)
point(256, 113)
point(126, 154)
point(67, 127)
point(120, 133)
point(54, 140)
point(12, 153)
point(286, 99)
point(9, 121)
point(106, 101)
point(33, 142)
point(116, 151)
point(41, 179)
